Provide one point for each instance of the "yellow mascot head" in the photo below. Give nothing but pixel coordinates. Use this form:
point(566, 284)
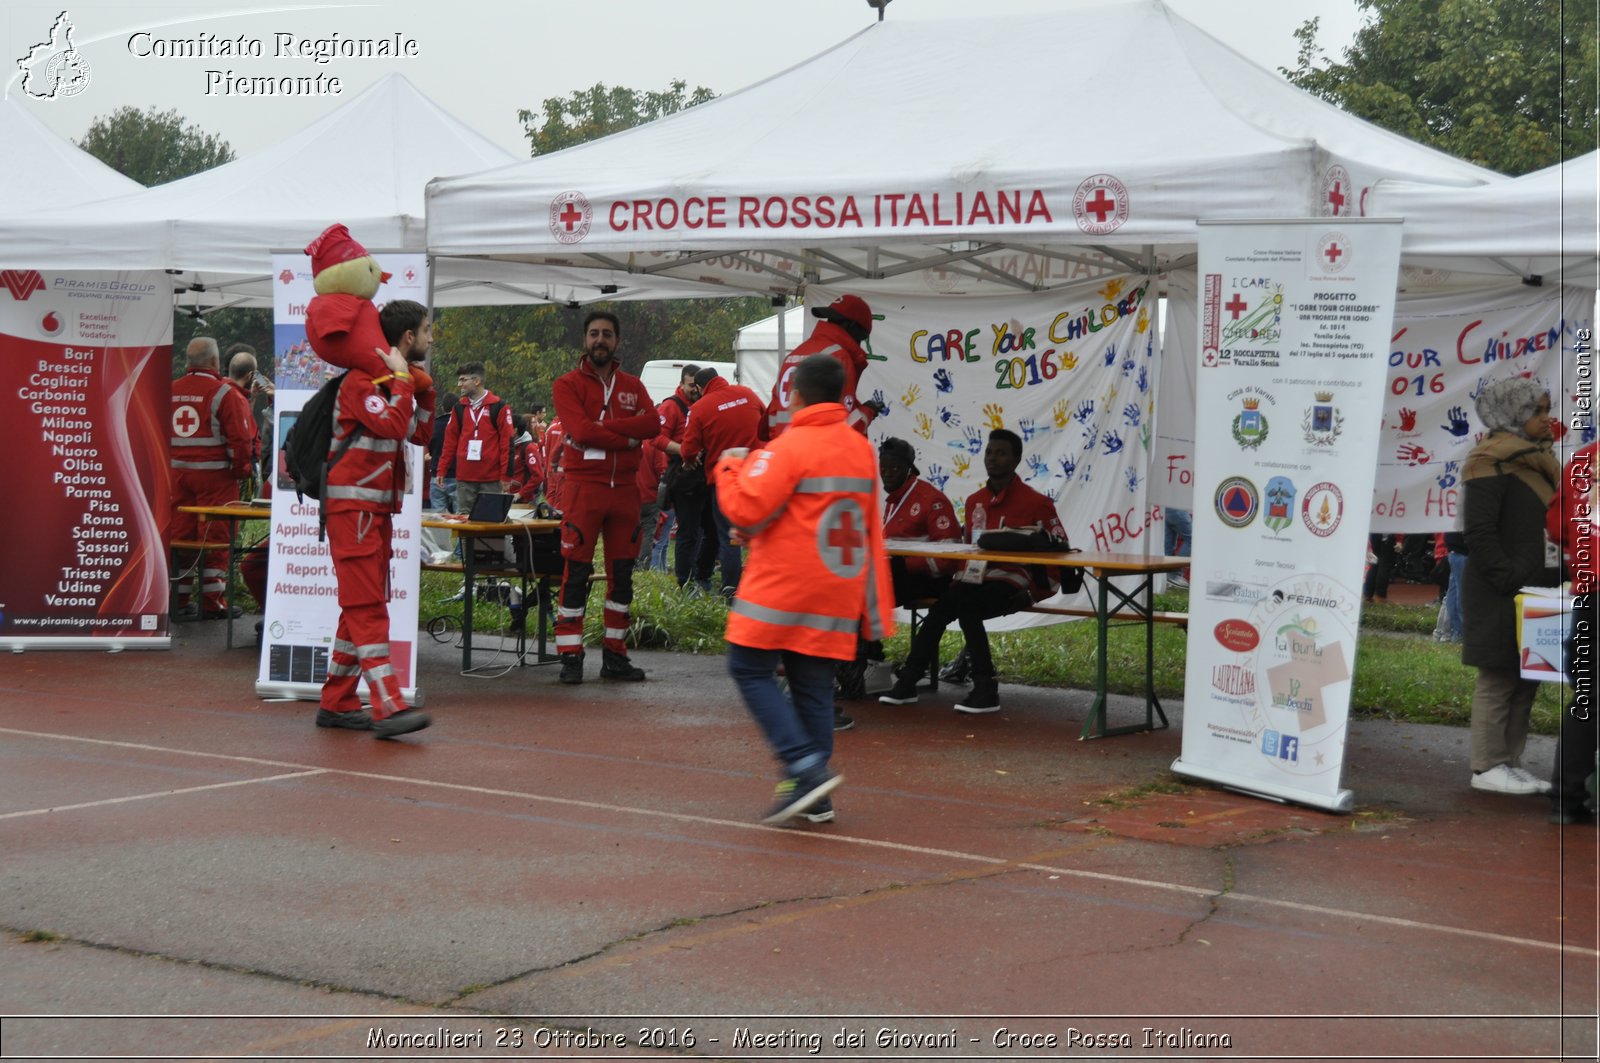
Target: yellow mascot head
point(341, 266)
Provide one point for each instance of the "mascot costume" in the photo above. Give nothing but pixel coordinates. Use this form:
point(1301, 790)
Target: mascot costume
point(342, 322)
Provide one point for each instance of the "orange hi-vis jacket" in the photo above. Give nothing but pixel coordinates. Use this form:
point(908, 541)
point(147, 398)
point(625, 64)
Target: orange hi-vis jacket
point(817, 577)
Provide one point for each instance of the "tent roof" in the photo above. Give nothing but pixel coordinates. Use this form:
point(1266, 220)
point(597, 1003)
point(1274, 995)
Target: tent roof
point(1110, 168)
point(46, 170)
point(1542, 223)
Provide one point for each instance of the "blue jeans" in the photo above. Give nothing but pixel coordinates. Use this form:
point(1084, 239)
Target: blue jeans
point(1452, 596)
point(1179, 526)
point(658, 552)
point(442, 497)
point(729, 553)
point(800, 731)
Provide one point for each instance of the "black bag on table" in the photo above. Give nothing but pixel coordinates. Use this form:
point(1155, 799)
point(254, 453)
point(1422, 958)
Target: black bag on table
point(1035, 542)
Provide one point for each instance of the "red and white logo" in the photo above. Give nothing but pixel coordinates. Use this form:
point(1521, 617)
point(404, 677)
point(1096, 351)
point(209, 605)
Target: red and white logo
point(570, 217)
point(185, 422)
point(21, 283)
point(1333, 252)
point(1240, 636)
point(51, 324)
point(1338, 195)
point(1101, 204)
point(375, 405)
point(1322, 509)
point(286, 277)
point(411, 276)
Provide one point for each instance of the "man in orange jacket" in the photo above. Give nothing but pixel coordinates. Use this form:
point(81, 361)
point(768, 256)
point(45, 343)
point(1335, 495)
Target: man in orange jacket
point(817, 579)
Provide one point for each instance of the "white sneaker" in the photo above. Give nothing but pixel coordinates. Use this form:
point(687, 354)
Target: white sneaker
point(1529, 777)
point(1504, 779)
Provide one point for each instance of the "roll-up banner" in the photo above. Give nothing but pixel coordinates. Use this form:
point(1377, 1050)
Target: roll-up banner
point(85, 397)
point(1293, 355)
point(302, 606)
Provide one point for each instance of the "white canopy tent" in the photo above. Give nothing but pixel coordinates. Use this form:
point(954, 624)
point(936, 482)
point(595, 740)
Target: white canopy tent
point(366, 164)
point(1543, 224)
point(44, 170)
point(917, 169)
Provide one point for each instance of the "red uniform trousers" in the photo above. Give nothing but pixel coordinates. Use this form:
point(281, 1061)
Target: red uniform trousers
point(359, 543)
point(595, 511)
point(203, 487)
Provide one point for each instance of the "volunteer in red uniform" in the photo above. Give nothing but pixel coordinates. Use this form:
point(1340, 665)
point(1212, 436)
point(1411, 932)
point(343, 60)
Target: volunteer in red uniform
point(555, 438)
point(366, 486)
point(477, 441)
point(213, 440)
point(1573, 520)
point(726, 416)
point(607, 416)
point(916, 511)
point(982, 591)
point(695, 554)
point(845, 324)
point(817, 580)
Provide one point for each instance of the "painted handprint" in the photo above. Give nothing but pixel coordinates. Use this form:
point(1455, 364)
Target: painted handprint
point(913, 393)
point(1069, 467)
point(1027, 427)
point(1113, 442)
point(974, 440)
point(880, 402)
point(942, 381)
point(1091, 439)
point(1132, 414)
point(1408, 419)
point(1069, 361)
point(1061, 413)
point(992, 413)
point(1448, 477)
point(937, 476)
point(1133, 481)
point(1144, 379)
point(1037, 467)
point(1111, 355)
point(949, 418)
point(1457, 425)
point(1412, 454)
point(963, 465)
point(924, 426)
point(1084, 412)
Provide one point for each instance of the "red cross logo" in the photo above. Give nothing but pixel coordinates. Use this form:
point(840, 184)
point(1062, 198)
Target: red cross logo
point(1101, 205)
point(571, 216)
point(185, 421)
point(1333, 253)
point(841, 538)
point(1236, 305)
point(1336, 197)
point(844, 538)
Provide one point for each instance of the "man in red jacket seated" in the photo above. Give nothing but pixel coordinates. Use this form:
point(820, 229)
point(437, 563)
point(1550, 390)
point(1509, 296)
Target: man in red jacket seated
point(983, 590)
point(477, 441)
point(606, 415)
point(725, 417)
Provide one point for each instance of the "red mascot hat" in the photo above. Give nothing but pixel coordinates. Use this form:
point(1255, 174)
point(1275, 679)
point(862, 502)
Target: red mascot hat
point(334, 246)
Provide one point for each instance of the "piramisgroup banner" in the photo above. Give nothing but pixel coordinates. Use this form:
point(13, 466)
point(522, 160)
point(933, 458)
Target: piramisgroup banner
point(85, 391)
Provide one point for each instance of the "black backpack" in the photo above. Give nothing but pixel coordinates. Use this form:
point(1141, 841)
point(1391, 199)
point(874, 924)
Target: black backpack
point(305, 449)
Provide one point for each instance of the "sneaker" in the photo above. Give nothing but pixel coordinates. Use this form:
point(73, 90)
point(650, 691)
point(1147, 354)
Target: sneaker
point(459, 596)
point(1526, 776)
point(1178, 582)
point(614, 665)
point(821, 812)
point(1504, 779)
point(353, 720)
point(849, 680)
point(401, 723)
point(572, 668)
point(796, 794)
point(984, 698)
point(841, 722)
point(880, 676)
point(904, 692)
point(958, 669)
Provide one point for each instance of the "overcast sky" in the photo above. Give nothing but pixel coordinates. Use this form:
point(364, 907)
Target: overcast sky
point(482, 60)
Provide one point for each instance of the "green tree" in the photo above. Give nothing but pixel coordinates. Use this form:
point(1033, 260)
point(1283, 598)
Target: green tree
point(1507, 85)
point(235, 325)
point(153, 147)
point(592, 113)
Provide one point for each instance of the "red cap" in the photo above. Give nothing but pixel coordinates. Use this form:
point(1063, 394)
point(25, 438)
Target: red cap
point(850, 308)
point(334, 246)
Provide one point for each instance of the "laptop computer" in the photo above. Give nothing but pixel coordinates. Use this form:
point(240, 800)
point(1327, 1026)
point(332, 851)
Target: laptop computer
point(491, 508)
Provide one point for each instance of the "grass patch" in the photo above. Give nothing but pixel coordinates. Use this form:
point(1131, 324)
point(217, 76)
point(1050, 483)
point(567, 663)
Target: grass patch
point(41, 935)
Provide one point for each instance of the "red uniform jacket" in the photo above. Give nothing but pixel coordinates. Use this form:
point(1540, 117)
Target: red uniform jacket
point(1016, 506)
point(726, 416)
point(674, 415)
point(554, 479)
point(602, 424)
point(920, 512)
point(211, 427)
point(485, 425)
point(370, 476)
point(826, 338)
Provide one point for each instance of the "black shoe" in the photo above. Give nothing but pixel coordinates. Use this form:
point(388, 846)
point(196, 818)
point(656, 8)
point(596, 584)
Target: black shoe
point(401, 723)
point(572, 668)
point(354, 720)
point(984, 697)
point(904, 692)
point(958, 669)
point(227, 612)
point(1571, 816)
point(841, 722)
point(798, 793)
point(849, 680)
point(615, 665)
point(821, 812)
point(186, 612)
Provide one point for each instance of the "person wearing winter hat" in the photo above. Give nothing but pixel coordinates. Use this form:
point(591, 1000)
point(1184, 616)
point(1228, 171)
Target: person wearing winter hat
point(841, 332)
point(1508, 480)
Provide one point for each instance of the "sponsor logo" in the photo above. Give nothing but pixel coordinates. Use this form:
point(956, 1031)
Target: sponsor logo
point(1250, 424)
point(1235, 679)
point(1333, 252)
point(410, 276)
point(1338, 199)
point(1280, 503)
point(286, 276)
point(1240, 636)
point(1322, 509)
point(1288, 598)
point(1237, 501)
point(1323, 421)
point(1280, 746)
point(570, 217)
point(51, 324)
point(1223, 590)
point(1101, 204)
point(21, 283)
point(54, 68)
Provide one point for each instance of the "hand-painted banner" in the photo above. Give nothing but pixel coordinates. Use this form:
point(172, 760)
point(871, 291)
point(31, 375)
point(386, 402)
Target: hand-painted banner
point(302, 607)
point(1293, 328)
point(1071, 371)
point(85, 395)
point(1441, 351)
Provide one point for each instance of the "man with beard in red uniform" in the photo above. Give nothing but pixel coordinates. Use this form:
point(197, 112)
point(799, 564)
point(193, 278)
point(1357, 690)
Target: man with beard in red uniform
point(213, 437)
point(607, 416)
point(845, 325)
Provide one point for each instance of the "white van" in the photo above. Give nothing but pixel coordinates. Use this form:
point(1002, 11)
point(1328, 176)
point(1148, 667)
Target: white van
point(661, 376)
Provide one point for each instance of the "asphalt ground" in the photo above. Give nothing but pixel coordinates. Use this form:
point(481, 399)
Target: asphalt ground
point(189, 872)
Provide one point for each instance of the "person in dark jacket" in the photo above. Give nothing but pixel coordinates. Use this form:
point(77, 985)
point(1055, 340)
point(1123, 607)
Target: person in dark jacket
point(1509, 479)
